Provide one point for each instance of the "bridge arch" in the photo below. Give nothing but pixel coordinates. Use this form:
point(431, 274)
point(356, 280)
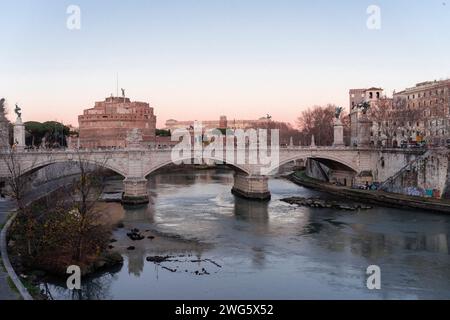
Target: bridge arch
point(239, 168)
point(339, 162)
point(42, 164)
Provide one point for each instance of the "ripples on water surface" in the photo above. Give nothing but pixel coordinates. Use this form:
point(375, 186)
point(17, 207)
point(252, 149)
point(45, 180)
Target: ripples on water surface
point(271, 250)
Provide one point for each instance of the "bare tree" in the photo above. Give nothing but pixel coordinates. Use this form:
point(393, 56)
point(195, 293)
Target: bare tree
point(318, 121)
point(16, 180)
point(392, 118)
point(65, 227)
point(84, 194)
point(286, 131)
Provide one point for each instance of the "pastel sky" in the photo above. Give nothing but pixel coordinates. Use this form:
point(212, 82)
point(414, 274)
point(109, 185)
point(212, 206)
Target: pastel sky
point(199, 59)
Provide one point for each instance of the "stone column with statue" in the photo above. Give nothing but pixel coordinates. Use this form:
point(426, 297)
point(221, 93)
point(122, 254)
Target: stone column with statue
point(338, 138)
point(19, 130)
point(364, 126)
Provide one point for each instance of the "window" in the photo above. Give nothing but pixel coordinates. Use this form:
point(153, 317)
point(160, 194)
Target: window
point(370, 95)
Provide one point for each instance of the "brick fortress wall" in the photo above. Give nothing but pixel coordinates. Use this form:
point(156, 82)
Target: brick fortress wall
point(110, 121)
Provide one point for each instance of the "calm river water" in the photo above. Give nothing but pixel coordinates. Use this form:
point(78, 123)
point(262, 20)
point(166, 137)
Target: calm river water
point(229, 248)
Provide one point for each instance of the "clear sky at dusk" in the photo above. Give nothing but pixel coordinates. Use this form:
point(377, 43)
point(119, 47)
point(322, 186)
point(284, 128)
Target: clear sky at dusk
point(199, 59)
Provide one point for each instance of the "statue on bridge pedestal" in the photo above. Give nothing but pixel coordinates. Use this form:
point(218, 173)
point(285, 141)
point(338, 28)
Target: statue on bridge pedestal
point(18, 110)
point(365, 106)
point(19, 130)
point(364, 125)
point(338, 136)
point(337, 112)
point(43, 144)
point(313, 142)
point(134, 138)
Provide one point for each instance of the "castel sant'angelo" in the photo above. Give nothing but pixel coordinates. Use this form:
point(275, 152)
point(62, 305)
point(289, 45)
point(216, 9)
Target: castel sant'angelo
point(109, 122)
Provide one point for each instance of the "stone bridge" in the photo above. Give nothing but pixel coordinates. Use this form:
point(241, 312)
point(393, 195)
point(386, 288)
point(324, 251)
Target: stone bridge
point(136, 164)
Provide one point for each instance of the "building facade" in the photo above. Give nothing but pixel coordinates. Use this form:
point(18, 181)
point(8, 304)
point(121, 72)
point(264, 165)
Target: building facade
point(431, 102)
point(109, 122)
point(221, 123)
point(357, 97)
point(416, 114)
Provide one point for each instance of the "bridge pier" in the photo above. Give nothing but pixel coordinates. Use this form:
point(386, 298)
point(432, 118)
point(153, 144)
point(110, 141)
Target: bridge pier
point(135, 191)
point(251, 187)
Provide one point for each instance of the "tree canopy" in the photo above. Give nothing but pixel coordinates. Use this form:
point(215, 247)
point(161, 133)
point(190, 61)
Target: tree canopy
point(318, 121)
point(55, 133)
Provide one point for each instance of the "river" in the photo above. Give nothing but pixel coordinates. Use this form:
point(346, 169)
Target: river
point(223, 247)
